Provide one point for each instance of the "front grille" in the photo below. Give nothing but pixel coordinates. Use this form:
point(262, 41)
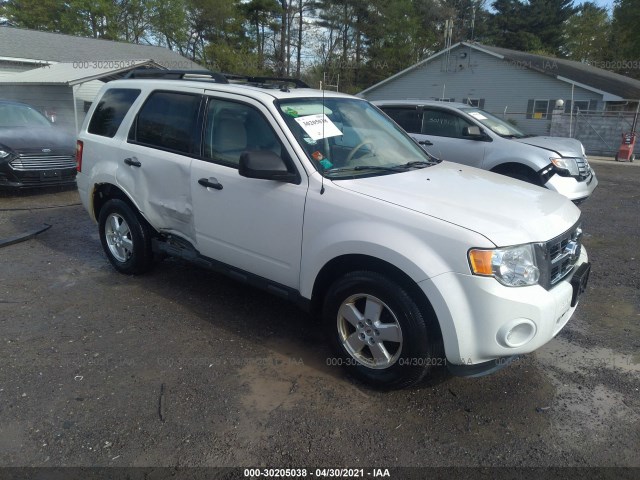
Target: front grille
point(583, 168)
point(39, 162)
point(557, 257)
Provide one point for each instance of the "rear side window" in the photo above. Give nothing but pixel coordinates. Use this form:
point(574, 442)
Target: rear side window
point(169, 121)
point(407, 118)
point(111, 109)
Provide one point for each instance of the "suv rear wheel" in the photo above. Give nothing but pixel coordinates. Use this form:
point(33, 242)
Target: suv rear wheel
point(125, 237)
point(378, 331)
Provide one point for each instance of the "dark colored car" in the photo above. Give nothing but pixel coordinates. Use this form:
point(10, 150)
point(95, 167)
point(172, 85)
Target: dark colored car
point(33, 153)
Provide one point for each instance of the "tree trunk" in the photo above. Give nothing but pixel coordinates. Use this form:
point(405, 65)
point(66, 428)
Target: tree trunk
point(299, 56)
point(283, 38)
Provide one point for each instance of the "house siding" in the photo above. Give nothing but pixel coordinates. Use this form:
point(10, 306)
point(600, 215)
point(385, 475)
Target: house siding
point(504, 85)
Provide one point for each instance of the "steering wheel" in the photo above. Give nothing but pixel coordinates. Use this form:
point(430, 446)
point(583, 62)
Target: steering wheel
point(366, 141)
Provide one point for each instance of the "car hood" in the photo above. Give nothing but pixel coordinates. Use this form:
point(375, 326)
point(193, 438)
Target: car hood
point(566, 147)
point(34, 140)
point(504, 210)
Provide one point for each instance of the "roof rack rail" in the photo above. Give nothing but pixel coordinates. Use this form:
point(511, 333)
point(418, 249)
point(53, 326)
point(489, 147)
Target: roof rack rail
point(261, 80)
point(177, 74)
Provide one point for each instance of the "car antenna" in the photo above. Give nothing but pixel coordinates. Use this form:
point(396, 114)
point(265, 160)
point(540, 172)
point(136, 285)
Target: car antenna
point(322, 176)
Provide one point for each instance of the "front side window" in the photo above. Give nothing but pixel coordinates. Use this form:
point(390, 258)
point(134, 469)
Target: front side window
point(232, 128)
point(168, 121)
point(345, 137)
point(111, 110)
point(441, 123)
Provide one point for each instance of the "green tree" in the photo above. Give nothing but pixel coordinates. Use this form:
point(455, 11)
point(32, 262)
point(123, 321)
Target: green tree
point(469, 18)
point(169, 25)
point(587, 34)
point(393, 37)
point(45, 15)
point(536, 26)
point(626, 37)
point(546, 19)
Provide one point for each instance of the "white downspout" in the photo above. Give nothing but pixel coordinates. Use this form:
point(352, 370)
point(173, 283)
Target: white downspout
point(571, 113)
point(75, 108)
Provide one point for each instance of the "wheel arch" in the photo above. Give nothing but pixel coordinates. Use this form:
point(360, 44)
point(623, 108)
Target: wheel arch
point(517, 167)
point(343, 264)
point(103, 192)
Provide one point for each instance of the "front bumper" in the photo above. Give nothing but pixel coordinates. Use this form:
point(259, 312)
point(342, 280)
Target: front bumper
point(11, 179)
point(484, 322)
point(574, 190)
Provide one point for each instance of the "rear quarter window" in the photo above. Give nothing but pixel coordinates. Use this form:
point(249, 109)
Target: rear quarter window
point(111, 110)
point(168, 121)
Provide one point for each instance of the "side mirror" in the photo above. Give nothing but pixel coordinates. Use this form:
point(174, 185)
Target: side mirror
point(472, 132)
point(265, 165)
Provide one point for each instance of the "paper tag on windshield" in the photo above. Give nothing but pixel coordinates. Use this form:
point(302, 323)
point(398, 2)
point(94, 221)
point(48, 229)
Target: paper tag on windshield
point(477, 115)
point(318, 126)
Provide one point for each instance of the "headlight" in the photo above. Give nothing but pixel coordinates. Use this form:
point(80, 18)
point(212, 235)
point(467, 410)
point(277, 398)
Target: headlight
point(568, 165)
point(5, 152)
point(511, 266)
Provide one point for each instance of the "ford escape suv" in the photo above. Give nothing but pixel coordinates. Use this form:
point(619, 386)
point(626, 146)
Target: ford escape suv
point(464, 134)
point(321, 199)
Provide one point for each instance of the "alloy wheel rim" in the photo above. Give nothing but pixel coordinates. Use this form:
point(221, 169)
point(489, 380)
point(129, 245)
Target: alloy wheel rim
point(369, 331)
point(118, 236)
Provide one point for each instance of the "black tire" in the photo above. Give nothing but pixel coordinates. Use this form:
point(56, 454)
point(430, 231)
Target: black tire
point(617, 158)
point(409, 360)
point(130, 252)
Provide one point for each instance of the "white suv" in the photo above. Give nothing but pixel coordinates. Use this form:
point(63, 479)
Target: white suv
point(320, 198)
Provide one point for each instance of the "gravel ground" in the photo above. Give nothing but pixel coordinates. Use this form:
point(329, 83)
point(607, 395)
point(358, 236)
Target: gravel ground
point(183, 367)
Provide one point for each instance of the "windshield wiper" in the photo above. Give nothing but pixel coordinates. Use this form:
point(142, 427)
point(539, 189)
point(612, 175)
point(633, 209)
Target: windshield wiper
point(421, 163)
point(358, 168)
point(382, 168)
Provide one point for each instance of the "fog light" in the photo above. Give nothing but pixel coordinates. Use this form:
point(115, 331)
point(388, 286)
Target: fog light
point(517, 333)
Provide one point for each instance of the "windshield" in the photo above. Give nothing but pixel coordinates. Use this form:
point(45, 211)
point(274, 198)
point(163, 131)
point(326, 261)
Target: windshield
point(344, 137)
point(497, 125)
point(12, 115)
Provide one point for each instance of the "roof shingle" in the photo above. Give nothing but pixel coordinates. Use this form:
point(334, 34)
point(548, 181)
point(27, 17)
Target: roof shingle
point(55, 47)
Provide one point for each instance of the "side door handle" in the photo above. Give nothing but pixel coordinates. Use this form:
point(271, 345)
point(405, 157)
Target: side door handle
point(132, 162)
point(425, 142)
point(210, 183)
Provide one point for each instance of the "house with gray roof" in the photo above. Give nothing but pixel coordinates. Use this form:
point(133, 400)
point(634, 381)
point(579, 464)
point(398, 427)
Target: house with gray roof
point(522, 87)
point(61, 74)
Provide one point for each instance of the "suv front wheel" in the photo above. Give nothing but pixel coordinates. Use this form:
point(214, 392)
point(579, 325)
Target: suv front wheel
point(125, 237)
point(378, 331)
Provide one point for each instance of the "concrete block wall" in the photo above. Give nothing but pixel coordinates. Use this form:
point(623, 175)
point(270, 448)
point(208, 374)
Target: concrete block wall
point(599, 132)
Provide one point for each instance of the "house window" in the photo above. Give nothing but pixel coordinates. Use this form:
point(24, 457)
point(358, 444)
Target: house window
point(540, 108)
point(582, 105)
point(621, 106)
point(475, 102)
